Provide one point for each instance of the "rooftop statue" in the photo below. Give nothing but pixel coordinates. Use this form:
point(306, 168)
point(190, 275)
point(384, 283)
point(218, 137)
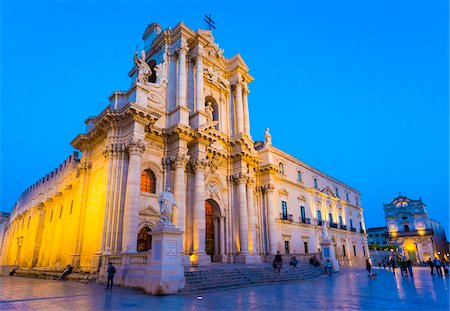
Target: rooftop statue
point(166, 203)
point(143, 69)
point(267, 138)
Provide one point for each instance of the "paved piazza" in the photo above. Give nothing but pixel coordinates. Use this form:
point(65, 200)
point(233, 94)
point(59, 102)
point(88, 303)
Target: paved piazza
point(348, 290)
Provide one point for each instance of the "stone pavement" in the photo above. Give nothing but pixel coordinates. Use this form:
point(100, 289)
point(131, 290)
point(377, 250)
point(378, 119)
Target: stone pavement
point(350, 289)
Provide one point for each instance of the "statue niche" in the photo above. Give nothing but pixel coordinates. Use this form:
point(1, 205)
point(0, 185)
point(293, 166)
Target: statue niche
point(211, 110)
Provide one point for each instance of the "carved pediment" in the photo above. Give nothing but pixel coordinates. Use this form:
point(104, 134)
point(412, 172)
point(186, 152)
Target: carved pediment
point(329, 192)
point(149, 211)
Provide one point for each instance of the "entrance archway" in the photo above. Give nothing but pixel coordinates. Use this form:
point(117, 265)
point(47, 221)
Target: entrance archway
point(212, 235)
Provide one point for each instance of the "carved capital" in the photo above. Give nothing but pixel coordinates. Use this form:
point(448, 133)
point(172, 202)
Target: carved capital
point(180, 160)
point(240, 178)
point(251, 182)
point(113, 150)
point(199, 164)
point(84, 164)
point(166, 162)
point(268, 188)
point(136, 146)
point(183, 49)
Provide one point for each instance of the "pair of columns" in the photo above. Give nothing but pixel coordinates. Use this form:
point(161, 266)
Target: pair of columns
point(247, 230)
point(268, 191)
point(242, 116)
point(182, 77)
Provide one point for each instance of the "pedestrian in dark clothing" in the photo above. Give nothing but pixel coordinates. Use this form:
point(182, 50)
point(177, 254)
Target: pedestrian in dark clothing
point(328, 267)
point(431, 265)
point(437, 266)
point(278, 262)
point(403, 268)
point(293, 262)
point(445, 266)
point(111, 271)
point(409, 266)
point(68, 270)
point(393, 265)
point(368, 267)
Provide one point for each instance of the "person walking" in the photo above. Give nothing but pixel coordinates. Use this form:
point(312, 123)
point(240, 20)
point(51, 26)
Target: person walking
point(111, 271)
point(369, 267)
point(403, 267)
point(409, 266)
point(437, 266)
point(328, 266)
point(445, 266)
point(278, 262)
point(431, 265)
point(393, 265)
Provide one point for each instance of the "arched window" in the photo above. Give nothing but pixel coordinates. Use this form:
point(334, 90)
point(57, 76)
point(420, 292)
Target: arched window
point(315, 182)
point(144, 242)
point(148, 181)
point(299, 176)
point(281, 166)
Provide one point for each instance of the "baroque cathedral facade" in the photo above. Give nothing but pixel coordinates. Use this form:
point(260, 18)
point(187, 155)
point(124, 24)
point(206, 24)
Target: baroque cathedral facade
point(183, 125)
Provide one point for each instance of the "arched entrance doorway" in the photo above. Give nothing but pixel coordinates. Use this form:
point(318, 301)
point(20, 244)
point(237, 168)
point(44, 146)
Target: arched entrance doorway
point(212, 234)
point(144, 242)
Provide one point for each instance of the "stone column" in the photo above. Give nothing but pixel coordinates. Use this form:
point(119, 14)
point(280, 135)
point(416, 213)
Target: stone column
point(179, 191)
point(222, 234)
point(271, 219)
point(131, 209)
point(199, 228)
point(182, 80)
point(199, 92)
point(246, 114)
point(216, 236)
point(239, 107)
point(251, 216)
point(241, 180)
point(83, 168)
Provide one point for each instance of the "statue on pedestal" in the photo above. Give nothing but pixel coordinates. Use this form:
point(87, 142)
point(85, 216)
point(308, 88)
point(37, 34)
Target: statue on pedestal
point(325, 236)
point(166, 203)
point(143, 69)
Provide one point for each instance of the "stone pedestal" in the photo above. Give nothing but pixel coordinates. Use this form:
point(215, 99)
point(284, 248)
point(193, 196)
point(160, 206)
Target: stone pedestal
point(328, 252)
point(165, 273)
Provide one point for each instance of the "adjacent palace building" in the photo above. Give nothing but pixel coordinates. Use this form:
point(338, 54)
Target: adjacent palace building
point(183, 125)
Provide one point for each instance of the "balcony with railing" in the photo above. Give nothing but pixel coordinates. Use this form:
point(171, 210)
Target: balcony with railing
point(305, 220)
point(362, 231)
point(343, 227)
point(319, 222)
point(420, 232)
point(333, 225)
point(287, 217)
point(353, 229)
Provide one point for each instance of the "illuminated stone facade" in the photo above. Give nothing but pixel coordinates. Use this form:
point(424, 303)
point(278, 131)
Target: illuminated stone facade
point(184, 124)
point(410, 228)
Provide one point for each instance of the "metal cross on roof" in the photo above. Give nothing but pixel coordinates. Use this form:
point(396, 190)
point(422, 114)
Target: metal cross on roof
point(209, 21)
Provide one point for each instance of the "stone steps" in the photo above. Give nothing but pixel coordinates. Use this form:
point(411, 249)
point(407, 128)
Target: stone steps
point(221, 278)
point(84, 277)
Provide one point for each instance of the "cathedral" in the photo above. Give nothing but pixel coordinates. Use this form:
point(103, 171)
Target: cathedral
point(182, 126)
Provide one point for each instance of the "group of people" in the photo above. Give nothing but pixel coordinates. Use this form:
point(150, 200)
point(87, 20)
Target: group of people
point(111, 270)
point(278, 262)
point(441, 266)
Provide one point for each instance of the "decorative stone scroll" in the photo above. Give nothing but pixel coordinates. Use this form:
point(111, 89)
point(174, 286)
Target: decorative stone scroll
point(215, 77)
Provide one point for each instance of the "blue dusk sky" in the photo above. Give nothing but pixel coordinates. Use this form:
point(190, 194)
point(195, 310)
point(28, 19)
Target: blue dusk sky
point(357, 89)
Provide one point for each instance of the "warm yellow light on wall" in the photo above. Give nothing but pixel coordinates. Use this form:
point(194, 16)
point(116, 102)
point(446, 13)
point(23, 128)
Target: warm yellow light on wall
point(421, 231)
point(410, 246)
